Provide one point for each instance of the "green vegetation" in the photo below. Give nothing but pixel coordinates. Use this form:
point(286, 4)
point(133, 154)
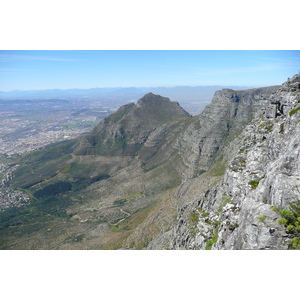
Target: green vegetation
point(81, 182)
point(225, 199)
point(194, 218)
point(267, 125)
point(238, 164)
point(253, 184)
point(53, 189)
point(41, 165)
point(293, 111)
point(233, 226)
point(38, 213)
point(201, 172)
point(295, 243)
point(119, 202)
point(213, 239)
point(262, 218)
point(48, 203)
point(282, 221)
point(243, 150)
point(291, 220)
point(193, 221)
point(203, 214)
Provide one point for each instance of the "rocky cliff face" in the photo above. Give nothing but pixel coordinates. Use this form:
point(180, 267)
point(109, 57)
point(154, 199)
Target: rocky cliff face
point(204, 140)
point(263, 171)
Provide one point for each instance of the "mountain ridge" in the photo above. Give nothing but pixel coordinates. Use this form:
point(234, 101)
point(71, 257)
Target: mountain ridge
point(166, 185)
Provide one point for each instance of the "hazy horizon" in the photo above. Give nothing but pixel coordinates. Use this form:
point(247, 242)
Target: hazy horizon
point(129, 87)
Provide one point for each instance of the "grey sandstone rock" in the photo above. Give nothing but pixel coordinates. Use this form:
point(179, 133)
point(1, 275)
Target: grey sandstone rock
point(263, 170)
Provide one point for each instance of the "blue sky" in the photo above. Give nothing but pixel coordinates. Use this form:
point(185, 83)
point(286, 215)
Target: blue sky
point(64, 69)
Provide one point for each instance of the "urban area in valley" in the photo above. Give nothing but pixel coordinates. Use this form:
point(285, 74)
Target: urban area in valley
point(27, 125)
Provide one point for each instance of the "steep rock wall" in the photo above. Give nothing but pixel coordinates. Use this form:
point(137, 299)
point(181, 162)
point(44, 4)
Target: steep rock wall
point(204, 140)
point(264, 170)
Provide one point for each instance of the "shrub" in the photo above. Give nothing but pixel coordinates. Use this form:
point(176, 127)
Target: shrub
point(282, 221)
point(290, 228)
point(262, 218)
point(287, 214)
point(291, 221)
point(295, 243)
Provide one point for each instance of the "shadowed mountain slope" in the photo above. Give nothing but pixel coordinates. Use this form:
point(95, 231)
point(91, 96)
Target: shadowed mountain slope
point(129, 129)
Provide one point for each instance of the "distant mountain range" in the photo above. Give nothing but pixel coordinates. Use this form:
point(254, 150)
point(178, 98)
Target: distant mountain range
point(177, 93)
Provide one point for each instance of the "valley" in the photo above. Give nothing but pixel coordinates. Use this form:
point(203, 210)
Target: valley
point(152, 176)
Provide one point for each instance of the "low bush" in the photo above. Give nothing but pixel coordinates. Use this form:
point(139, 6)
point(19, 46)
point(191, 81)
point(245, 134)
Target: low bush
point(291, 221)
point(262, 218)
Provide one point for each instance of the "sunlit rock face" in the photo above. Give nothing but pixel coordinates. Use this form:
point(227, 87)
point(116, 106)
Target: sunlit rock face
point(263, 171)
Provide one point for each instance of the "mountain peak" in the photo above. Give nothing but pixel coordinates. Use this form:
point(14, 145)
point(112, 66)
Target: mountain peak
point(151, 99)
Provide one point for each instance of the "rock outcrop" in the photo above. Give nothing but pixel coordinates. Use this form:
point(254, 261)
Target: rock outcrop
point(263, 171)
point(204, 140)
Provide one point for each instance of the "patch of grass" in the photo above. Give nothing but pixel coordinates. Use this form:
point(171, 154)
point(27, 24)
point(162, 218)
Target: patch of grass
point(66, 169)
point(293, 111)
point(194, 218)
point(193, 221)
point(213, 239)
point(253, 184)
point(262, 218)
point(268, 125)
point(225, 199)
